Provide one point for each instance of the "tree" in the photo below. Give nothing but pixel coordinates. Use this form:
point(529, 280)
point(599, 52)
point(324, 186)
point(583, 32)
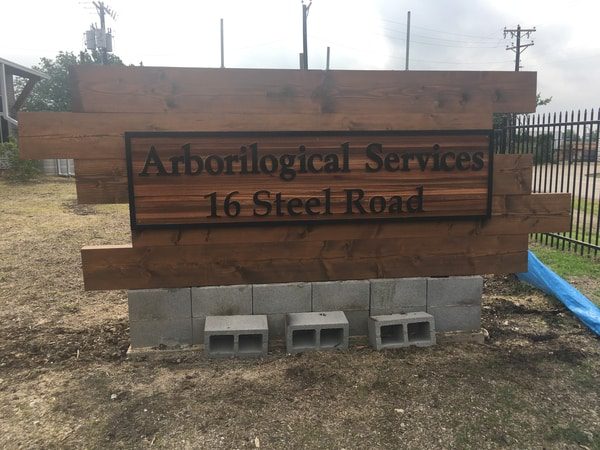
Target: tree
point(539, 101)
point(54, 94)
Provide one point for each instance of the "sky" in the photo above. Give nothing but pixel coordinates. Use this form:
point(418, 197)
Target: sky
point(365, 35)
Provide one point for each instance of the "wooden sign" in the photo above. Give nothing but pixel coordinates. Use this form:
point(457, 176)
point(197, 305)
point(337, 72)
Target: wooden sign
point(177, 241)
point(179, 178)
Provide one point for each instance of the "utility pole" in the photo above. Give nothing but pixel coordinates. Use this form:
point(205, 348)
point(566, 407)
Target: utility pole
point(100, 39)
point(407, 39)
point(305, 9)
point(328, 52)
point(518, 47)
point(222, 47)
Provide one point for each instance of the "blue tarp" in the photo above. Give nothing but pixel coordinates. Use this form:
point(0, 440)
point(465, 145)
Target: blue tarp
point(545, 279)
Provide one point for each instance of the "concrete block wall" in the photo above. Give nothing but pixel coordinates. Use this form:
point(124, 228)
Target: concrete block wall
point(276, 300)
point(398, 296)
point(160, 317)
point(176, 317)
point(218, 301)
point(351, 297)
point(455, 302)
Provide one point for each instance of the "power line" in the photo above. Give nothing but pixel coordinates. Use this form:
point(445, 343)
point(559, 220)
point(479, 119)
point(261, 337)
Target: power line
point(434, 38)
point(433, 44)
point(518, 47)
point(368, 50)
point(445, 32)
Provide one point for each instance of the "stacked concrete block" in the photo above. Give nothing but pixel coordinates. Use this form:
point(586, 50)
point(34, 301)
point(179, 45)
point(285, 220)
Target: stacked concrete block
point(160, 317)
point(455, 302)
point(351, 297)
point(398, 296)
point(401, 330)
point(240, 336)
point(277, 300)
point(218, 301)
point(316, 331)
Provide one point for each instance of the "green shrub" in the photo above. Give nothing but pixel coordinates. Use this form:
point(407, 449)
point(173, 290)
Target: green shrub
point(18, 169)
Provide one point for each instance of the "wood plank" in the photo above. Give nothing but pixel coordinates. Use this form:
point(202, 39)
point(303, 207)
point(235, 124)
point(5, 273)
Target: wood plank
point(404, 175)
point(512, 174)
point(86, 136)
point(536, 213)
point(105, 181)
point(126, 267)
point(539, 205)
point(275, 91)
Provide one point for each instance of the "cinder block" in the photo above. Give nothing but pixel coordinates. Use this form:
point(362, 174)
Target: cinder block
point(198, 330)
point(402, 330)
point(155, 333)
point(159, 304)
point(218, 301)
point(358, 322)
point(276, 325)
point(454, 291)
point(241, 336)
point(398, 296)
point(456, 318)
point(341, 296)
point(222, 300)
point(316, 331)
point(281, 298)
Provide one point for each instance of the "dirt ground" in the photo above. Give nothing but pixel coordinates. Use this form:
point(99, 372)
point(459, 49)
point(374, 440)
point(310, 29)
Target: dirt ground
point(65, 381)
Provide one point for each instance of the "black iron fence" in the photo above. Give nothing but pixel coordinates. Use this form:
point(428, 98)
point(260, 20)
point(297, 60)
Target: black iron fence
point(565, 157)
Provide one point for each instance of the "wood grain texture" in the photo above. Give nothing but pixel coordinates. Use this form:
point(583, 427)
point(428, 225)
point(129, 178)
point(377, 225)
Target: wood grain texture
point(512, 174)
point(505, 225)
point(110, 100)
point(105, 181)
point(536, 213)
point(167, 89)
point(126, 267)
point(209, 256)
point(451, 181)
point(87, 136)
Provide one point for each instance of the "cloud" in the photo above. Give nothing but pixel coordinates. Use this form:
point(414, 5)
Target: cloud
point(445, 35)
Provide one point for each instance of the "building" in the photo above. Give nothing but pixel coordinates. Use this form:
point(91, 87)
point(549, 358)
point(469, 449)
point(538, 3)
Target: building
point(12, 100)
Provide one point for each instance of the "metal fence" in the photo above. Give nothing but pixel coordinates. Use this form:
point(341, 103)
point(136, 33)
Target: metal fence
point(565, 157)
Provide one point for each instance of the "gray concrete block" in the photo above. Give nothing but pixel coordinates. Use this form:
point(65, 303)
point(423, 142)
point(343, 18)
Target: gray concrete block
point(155, 333)
point(159, 304)
point(398, 296)
point(401, 310)
point(240, 336)
point(454, 291)
point(402, 330)
point(456, 318)
point(222, 300)
point(198, 330)
point(316, 331)
point(276, 325)
point(341, 296)
point(281, 298)
point(358, 322)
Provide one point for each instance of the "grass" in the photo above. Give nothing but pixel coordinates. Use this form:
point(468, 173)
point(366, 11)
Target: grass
point(585, 205)
point(567, 264)
point(65, 381)
point(573, 434)
point(582, 271)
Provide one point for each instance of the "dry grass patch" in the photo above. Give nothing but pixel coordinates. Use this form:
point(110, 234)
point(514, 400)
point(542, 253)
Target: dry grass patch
point(65, 382)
